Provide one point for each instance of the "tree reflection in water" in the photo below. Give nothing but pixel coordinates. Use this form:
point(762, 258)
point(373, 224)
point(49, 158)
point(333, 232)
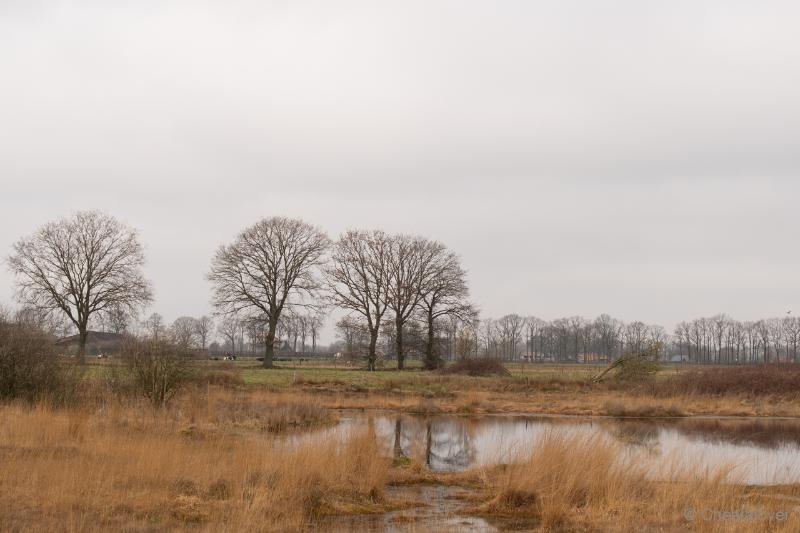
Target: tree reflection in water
point(448, 443)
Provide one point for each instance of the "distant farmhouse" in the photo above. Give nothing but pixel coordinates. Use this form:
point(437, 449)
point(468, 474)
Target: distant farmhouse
point(97, 342)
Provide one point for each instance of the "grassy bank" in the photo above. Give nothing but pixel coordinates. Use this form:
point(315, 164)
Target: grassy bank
point(542, 389)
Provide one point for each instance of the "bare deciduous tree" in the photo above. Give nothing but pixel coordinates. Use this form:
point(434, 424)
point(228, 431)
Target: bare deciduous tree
point(228, 328)
point(354, 335)
point(444, 293)
point(80, 266)
point(358, 279)
point(315, 324)
point(184, 331)
point(270, 266)
point(118, 319)
point(202, 328)
point(410, 267)
point(154, 325)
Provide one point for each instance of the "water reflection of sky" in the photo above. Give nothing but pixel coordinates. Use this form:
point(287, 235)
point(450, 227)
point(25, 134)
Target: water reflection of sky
point(757, 452)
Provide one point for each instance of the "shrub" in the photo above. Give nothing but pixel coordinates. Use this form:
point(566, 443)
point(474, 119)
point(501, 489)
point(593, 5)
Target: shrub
point(29, 368)
point(637, 369)
point(477, 367)
point(157, 369)
point(634, 366)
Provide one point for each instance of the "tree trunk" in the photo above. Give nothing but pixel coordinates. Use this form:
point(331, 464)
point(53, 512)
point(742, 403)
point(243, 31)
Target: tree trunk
point(373, 342)
point(269, 346)
point(82, 336)
point(431, 361)
point(398, 340)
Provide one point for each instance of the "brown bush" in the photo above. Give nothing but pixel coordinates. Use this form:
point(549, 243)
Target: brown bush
point(756, 380)
point(477, 367)
point(156, 368)
point(277, 416)
point(29, 367)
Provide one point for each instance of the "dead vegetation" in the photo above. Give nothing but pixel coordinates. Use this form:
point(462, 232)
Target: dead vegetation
point(476, 367)
point(642, 409)
point(124, 469)
point(276, 415)
point(29, 368)
point(585, 483)
point(752, 381)
point(214, 459)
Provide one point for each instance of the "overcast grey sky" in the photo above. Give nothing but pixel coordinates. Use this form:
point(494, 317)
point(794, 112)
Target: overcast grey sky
point(630, 157)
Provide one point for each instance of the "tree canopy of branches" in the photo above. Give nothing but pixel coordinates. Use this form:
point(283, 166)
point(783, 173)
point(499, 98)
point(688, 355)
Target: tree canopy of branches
point(203, 327)
point(271, 265)
point(410, 268)
point(184, 330)
point(228, 327)
point(358, 280)
point(444, 293)
point(81, 266)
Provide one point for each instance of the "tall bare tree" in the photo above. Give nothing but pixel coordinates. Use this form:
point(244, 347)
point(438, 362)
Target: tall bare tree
point(411, 264)
point(228, 328)
point(315, 323)
point(354, 335)
point(81, 266)
point(154, 325)
point(202, 328)
point(444, 293)
point(117, 319)
point(184, 333)
point(358, 280)
point(270, 266)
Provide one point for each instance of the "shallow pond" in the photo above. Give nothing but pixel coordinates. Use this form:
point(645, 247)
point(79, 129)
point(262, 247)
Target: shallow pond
point(761, 451)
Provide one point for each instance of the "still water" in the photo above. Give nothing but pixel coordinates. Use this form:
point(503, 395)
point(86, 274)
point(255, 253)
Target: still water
point(763, 451)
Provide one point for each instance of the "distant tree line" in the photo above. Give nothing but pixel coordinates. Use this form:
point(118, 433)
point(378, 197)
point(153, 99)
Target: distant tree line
point(715, 340)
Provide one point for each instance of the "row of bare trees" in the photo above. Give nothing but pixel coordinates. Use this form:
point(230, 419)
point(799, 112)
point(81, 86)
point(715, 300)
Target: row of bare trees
point(715, 340)
point(413, 278)
point(299, 332)
point(282, 272)
point(277, 279)
point(721, 339)
point(515, 337)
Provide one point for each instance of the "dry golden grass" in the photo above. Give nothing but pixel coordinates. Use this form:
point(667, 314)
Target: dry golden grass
point(587, 402)
point(642, 409)
point(127, 469)
point(216, 460)
point(578, 482)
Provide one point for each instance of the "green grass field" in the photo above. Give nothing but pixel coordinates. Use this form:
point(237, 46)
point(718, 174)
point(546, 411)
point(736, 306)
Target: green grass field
point(414, 378)
point(322, 371)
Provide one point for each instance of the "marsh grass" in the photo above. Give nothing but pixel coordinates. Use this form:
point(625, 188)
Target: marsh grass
point(751, 380)
point(642, 409)
point(207, 463)
point(587, 482)
point(127, 469)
